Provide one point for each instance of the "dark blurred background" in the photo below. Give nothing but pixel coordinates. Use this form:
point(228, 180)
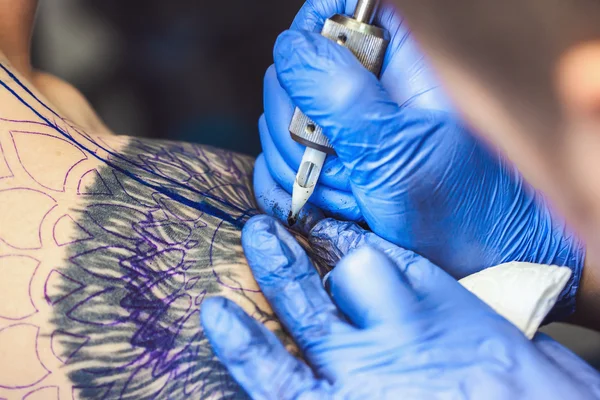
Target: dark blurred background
point(183, 70)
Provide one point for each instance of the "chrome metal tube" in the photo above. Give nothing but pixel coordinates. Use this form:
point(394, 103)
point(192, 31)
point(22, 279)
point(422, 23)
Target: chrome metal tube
point(365, 11)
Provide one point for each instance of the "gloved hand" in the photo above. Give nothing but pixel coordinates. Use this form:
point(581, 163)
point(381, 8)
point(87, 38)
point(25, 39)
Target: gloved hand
point(407, 165)
point(395, 327)
point(405, 74)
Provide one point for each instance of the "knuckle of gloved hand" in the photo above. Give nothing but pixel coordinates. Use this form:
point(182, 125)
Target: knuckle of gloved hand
point(315, 329)
point(221, 317)
point(303, 56)
point(285, 379)
point(317, 9)
point(344, 94)
point(274, 273)
point(315, 12)
point(270, 76)
point(292, 48)
point(269, 248)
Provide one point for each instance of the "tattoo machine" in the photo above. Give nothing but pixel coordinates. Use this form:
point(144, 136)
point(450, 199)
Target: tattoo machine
point(369, 44)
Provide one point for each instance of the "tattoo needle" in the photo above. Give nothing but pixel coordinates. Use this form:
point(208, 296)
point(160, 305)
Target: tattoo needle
point(306, 180)
point(368, 43)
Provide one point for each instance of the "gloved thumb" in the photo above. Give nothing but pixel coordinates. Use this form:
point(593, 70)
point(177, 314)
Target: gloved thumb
point(358, 285)
point(371, 290)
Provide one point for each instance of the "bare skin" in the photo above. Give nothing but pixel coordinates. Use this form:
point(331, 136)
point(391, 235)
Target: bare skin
point(109, 245)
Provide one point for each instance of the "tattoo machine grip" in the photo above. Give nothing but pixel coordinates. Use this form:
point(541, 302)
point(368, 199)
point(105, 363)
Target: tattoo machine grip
point(367, 42)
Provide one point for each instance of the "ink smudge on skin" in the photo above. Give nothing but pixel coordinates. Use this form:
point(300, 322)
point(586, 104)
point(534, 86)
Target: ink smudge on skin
point(155, 231)
point(291, 220)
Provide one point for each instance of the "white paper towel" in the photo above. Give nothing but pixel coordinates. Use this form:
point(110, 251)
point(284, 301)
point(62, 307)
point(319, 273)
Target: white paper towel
point(523, 293)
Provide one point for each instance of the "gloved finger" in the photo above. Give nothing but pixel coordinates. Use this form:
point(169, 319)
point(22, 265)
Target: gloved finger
point(313, 14)
point(406, 74)
point(410, 81)
point(335, 203)
point(371, 290)
point(276, 202)
point(382, 145)
point(565, 359)
point(278, 114)
point(254, 356)
point(332, 240)
point(290, 283)
point(330, 86)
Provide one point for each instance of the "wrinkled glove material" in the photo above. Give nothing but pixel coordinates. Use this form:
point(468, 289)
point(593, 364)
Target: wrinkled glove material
point(392, 326)
point(407, 165)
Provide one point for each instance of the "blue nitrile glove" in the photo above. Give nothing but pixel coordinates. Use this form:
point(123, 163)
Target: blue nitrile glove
point(407, 165)
point(396, 326)
point(408, 78)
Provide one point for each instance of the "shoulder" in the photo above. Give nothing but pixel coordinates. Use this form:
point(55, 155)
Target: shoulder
point(70, 102)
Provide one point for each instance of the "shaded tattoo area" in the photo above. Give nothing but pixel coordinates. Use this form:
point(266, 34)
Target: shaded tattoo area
point(126, 305)
point(121, 276)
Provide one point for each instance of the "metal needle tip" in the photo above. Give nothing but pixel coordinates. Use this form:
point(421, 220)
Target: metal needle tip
point(306, 180)
point(292, 219)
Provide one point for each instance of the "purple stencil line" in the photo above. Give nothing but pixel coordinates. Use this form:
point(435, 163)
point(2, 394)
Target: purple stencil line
point(165, 203)
point(190, 387)
point(108, 387)
point(80, 264)
point(85, 340)
point(136, 214)
point(82, 178)
point(84, 157)
point(72, 168)
point(97, 179)
point(191, 244)
point(192, 283)
point(81, 229)
point(64, 128)
point(157, 165)
point(81, 303)
point(41, 115)
point(24, 122)
point(10, 173)
point(56, 301)
point(212, 243)
point(220, 282)
point(132, 377)
point(200, 298)
point(45, 388)
point(29, 288)
point(208, 161)
point(155, 205)
point(155, 175)
point(37, 353)
point(41, 221)
point(35, 270)
point(151, 282)
point(167, 358)
point(72, 125)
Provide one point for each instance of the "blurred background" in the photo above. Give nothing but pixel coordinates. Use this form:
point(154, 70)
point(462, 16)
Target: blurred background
point(183, 70)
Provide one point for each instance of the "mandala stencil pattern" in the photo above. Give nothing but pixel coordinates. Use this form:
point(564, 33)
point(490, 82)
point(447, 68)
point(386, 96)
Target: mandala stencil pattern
point(103, 279)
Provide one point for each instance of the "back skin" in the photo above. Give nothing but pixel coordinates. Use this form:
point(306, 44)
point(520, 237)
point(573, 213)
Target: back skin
point(108, 247)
